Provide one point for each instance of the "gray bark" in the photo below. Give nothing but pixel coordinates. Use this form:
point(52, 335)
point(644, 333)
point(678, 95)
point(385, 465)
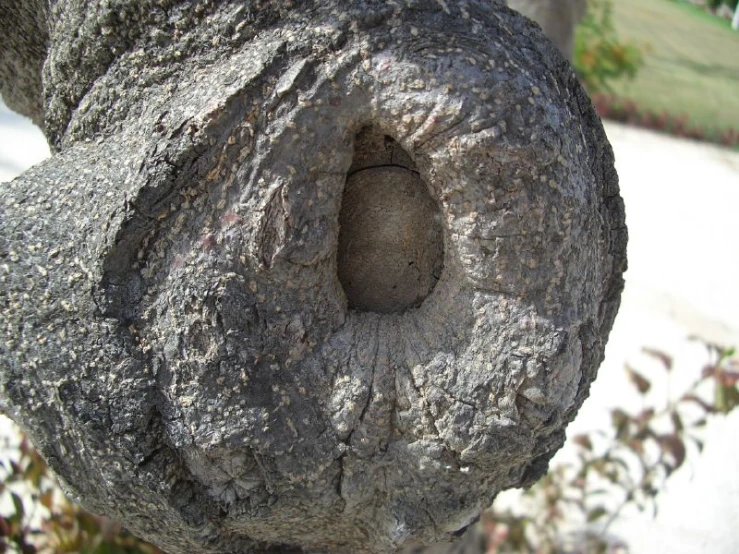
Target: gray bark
point(188, 336)
point(557, 19)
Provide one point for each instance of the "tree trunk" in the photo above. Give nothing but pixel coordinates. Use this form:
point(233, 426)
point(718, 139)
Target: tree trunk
point(310, 276)
point(557, 18)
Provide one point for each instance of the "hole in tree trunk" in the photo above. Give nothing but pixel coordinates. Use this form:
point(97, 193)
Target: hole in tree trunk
point(391, 246)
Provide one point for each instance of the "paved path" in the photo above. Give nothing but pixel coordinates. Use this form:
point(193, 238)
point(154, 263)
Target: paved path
point(682, 200)
point(21, 144)
point(682, 209)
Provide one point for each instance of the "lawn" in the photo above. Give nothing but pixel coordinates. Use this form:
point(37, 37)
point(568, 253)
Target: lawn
point(691, 63)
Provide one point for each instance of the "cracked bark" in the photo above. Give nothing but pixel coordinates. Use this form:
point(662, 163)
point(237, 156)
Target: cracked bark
point(193, 367)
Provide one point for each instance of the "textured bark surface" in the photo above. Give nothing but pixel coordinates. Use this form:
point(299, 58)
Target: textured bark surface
point(180, 335)
point(557, 19)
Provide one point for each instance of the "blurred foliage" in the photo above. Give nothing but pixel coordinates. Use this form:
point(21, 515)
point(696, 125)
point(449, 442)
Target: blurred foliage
point(604, 62)
point(599, 55)
point(715, 4)
point(610, 106)
point(629, 462)
point(36, 517)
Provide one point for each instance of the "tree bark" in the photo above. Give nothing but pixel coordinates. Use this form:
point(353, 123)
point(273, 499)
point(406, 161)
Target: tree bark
point(189, 337)
point(557, 18)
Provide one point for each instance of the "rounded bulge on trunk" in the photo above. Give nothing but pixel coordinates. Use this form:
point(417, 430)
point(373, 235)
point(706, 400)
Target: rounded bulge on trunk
point(424, 269)
point(480, 263)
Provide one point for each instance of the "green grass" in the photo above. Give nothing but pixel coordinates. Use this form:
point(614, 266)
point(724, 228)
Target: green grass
point(691, 62)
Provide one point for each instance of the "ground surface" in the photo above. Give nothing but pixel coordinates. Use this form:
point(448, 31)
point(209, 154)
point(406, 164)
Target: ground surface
point(681, 204)
point(691, 63)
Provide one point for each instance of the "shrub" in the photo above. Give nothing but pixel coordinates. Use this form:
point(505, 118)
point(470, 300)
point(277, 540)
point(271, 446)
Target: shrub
point(716, 4)
point(630, 462)
point(624, 110)
point(600, 56)
point(40, 519)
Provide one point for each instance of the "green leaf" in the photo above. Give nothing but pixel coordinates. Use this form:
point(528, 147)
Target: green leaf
point(596, 513)
point(18, 504)
point(33, 474)
point(727, 398)
point(677, 422)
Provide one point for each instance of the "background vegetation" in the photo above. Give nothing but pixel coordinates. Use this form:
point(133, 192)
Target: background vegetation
point(36, 516)
point(662, 64)
point(629, 462)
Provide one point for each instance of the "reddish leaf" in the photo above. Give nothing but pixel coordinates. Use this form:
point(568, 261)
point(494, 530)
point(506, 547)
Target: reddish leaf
point(583, 441)
point(620, 421)
point(659, 355)
point(638, 380)
point(46, 499)
point(578, 483)
point(702, 403)
point(4, 527)
point(709, 370)
point(673, 445)
point(644, 416)
point(677, 422)
point(728, 378)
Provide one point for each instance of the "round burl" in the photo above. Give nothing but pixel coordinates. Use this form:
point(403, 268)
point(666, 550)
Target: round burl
point(310, 276)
